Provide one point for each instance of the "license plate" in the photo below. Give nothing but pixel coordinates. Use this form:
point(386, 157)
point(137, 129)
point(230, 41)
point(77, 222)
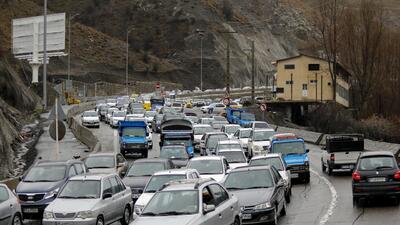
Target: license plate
point(135, 195)
point(31, 210)
point(61, 223)
point(347, 167)
point(246, 216)
point(377, 179)
point(294, 175)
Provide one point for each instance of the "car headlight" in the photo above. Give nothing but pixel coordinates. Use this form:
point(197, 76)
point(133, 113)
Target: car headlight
point(258, 148)
point(263, 206)
point(306, 163)
point(47, 215)
point(139, 209)
point(85, 214)
point(51, 194)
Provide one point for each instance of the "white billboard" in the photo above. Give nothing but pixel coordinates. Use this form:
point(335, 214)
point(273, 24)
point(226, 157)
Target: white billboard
point(27, 34)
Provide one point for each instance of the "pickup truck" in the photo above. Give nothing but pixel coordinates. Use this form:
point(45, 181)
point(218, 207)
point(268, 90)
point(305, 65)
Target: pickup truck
point(133, 138)
point(341, 151)
point(233, 115)
point(294, 153)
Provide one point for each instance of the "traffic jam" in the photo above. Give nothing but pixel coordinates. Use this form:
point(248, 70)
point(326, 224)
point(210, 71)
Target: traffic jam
point(217, 165)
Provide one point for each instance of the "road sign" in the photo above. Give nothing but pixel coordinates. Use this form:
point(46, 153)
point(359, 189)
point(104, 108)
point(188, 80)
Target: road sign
point(226, 101)
point(60, 112)
point(263, 107)
point(158, 85)
point(61, 130)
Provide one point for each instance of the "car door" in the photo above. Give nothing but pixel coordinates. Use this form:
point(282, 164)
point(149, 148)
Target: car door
point(108, 208)
point(121, 165)
point(117, 198)
point(6, 207)
point(222, 204)
point(280, 190)
point(211, 218)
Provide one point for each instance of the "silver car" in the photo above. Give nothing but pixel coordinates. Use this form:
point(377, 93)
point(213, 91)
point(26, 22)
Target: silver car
point(10, 209)
point(191, 202)
point(90, 119)
point(91, 199)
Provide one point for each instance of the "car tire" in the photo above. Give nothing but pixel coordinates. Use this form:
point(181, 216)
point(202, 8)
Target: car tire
point(100, 221)
point(287, 197)
point(17, 219)
point(323, 167)
point(126, 217)
point(283, 210)
point(329, 170)
point(237, 221)
point(307, 179)
point(275, 221)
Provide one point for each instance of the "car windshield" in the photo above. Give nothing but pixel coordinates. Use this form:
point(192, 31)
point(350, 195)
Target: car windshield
point(81, 189)
point(262, 135)
point(213, 140)
point(273, 161)
point(245, 133)
point(185, 142)
point(261, 125)
point(234, 156)
point(100, 162)
point(3, 194)
point(145, 169)
point(249, 179)
point(175, 203)
point(289, 148)
point(90, 114)
point(218, 124)
point(229, 146)
point(219, 118)
point(41, 174)
point(173, 153)
point(202, 130)
point(156, 182)
point(138, 111)
point(110, 110)
point(134, 132)
point(119, 114)
point(247, 116)
point(207, 166)
point(231, 129)
point(207, 120)
point(111, 100)
point(150, 114)
point(236, 113)
point(376, 163)
point(175, 104)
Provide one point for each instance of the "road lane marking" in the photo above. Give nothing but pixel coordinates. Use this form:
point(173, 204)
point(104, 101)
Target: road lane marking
point(324, 219)
point(115, 140)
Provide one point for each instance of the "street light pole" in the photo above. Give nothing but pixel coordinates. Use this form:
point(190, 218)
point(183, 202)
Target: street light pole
point(127, 60)
point(45, 54)
point(70, 18)
point(201, 35)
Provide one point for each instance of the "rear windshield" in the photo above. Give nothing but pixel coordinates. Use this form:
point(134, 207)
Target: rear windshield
point(377, 163)
point(345, 145)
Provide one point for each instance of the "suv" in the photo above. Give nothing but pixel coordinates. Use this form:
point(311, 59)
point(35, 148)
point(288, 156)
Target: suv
point(243, 135)
point(210, 142)
point(39, 187)
point(376, 175)
point(91, 199)
point(341, 151)
point(259, 141)
point(191, 202)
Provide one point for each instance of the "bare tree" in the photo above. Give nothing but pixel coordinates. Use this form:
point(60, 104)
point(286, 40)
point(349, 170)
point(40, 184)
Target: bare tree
point(326, 21)
point(361, 43)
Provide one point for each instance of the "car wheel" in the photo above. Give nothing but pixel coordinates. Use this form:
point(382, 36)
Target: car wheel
point(237, 221)
point(329, 170)
point(323, 167)
point(275, 222)
point(100, 221)
point(283, 210)
point(287, 197)
point(17, 220)
point(307, 179)
point(126, 217)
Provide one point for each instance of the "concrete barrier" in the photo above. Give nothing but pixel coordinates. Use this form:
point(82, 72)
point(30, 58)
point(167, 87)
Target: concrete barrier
point(308, 136)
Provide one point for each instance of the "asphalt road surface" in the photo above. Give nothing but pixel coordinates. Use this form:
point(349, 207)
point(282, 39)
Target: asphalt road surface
point(326, 200)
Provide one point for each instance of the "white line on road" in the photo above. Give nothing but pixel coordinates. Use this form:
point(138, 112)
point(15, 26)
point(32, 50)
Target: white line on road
point(324, 219)
point(115, 140)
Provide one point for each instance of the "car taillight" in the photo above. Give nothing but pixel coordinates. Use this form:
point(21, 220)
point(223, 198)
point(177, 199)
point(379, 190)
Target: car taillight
point(397, 175)
point(356, 176)
point(332, 158)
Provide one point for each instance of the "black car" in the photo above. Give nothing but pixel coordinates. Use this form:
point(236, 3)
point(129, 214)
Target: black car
point(141, 171)
point(261, 193)
point(41, 183)
point(376, 175)
point(176, 153)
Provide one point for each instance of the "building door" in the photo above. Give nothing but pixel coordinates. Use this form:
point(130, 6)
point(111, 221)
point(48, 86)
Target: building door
point(305, 90)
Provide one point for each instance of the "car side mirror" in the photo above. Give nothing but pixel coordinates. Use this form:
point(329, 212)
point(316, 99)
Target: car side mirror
point(20, 178)
point(107, 195)
point(228, 171)
point(208, 208)
point(250, 139)
point(280, 183)
point(307, 150)
point(121, 165)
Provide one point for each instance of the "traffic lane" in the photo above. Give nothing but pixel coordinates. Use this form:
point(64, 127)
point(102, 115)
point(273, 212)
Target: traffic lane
point(379, 211)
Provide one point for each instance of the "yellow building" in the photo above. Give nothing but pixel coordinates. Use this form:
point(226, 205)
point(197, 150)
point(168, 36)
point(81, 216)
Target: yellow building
point(306, 78)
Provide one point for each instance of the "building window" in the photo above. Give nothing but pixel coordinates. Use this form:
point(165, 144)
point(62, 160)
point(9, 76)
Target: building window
point(289, 67)
point(313, 81)
point(304, 87)
point(313, 67)
point(289, 82)
point(280, 90)
point(342, 92)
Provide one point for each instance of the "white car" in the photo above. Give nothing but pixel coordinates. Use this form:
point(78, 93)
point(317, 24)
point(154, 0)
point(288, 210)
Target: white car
point(230, 129)
point(259, 141)
point(233, 152)
point(215, 167)
point(109, 114)
point(116, 117)
point(258, 125)
point(138, 112)
point(90, 119)
point(10, 208)
point(276, 160)
point(149, 115)
point(111, 102)
point(216, 108)
point(243, 135)
point(157, 181)
point(198, 131)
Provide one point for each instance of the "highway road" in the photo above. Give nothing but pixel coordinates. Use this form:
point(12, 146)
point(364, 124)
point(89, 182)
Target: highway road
point(326, 200)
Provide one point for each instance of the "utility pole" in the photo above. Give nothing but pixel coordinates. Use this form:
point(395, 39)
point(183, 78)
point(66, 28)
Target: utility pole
point(253, 72)
point(70, 18)
point(127, 60)
point(291, 86)
point(45, 55)
point(201, 35)
point(316, 87)
point(228, 59)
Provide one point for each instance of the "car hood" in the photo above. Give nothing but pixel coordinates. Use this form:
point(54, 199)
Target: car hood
point(118, 118)
point(136, 182)
point(166, 220)
point(198, 137)
point(144, 199)
point(216, 177)
point(252, 197)
point(90, 118)
point(244, 141)
point(262, 143)
point(180, 162)
point(37, 187)
point(103, 170)
point(236, 165)
point(296, 159)
point(71, 205)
